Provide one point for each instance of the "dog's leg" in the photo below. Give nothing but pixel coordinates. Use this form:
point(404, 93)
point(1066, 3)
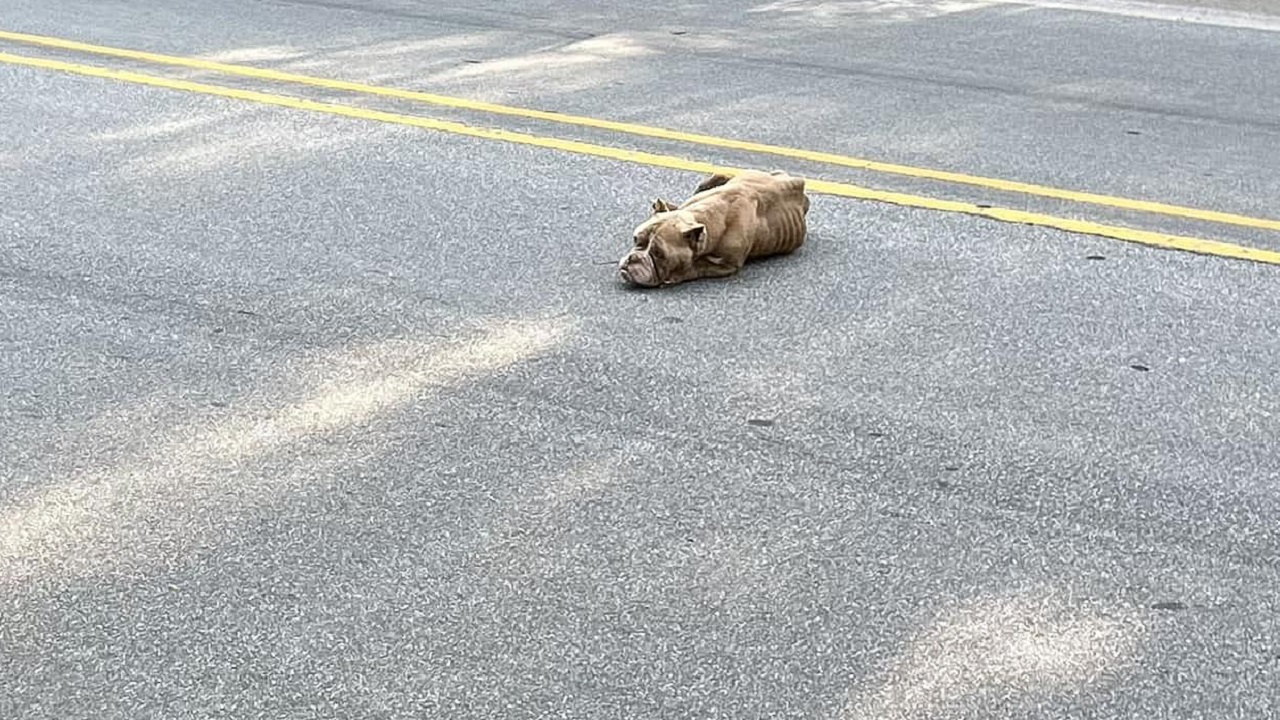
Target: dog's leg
point(708, 270)
point(718, 265)
point(714, 181)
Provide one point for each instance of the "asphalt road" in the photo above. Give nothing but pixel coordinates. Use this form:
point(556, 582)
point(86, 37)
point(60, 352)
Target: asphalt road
point(315, 417)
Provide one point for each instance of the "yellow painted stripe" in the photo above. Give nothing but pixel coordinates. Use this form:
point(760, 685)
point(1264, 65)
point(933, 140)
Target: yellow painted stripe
point(1174, 242)
point(654, 132)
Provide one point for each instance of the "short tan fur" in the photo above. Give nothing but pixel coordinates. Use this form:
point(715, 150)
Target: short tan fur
point(725, 223)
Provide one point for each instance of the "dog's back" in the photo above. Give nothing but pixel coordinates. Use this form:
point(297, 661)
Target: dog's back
point(771, 208)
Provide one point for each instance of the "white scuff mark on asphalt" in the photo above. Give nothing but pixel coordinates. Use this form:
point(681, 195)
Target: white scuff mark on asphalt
point(1159, 11)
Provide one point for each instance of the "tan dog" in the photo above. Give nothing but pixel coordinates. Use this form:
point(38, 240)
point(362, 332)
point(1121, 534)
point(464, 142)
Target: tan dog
point(727, 221)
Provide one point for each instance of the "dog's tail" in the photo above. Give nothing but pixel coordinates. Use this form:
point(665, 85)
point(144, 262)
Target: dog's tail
point(714, 181)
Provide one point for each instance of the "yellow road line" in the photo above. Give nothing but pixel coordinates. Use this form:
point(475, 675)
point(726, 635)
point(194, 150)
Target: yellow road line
point(1173, 242)
point(654, 132)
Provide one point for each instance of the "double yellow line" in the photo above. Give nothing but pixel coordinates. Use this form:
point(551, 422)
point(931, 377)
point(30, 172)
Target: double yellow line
point(1155, 239)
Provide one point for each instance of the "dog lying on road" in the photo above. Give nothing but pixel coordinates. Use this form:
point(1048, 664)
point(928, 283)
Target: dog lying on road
point(727, 221)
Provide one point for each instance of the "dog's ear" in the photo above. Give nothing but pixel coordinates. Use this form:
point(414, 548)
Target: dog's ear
point(661, 206)
point(695, 236)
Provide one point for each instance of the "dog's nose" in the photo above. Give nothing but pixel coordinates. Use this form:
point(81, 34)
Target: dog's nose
point(624, 274)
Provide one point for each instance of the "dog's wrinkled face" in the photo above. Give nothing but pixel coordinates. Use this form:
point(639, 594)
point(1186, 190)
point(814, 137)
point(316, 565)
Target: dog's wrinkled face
point(665, 247)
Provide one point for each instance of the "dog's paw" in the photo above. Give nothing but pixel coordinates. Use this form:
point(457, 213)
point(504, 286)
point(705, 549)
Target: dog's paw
point(713, 182)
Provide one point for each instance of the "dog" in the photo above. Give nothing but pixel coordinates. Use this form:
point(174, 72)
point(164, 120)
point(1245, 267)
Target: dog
point(726, 222)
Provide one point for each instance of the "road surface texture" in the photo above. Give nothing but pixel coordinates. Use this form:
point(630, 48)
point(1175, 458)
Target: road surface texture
point(318, 416)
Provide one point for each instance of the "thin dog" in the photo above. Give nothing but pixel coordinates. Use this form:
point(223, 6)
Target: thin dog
point(728, 221)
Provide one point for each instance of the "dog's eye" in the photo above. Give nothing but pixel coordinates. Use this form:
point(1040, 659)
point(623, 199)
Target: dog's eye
point(640, 241)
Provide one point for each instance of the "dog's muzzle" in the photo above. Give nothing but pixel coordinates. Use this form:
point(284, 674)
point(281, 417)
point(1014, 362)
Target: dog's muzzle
point(637, 269)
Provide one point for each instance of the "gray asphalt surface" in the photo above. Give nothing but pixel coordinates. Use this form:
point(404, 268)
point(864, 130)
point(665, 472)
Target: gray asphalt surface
point(311, 417)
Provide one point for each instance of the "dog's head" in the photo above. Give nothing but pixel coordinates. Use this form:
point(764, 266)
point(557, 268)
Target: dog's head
point(665, 247)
